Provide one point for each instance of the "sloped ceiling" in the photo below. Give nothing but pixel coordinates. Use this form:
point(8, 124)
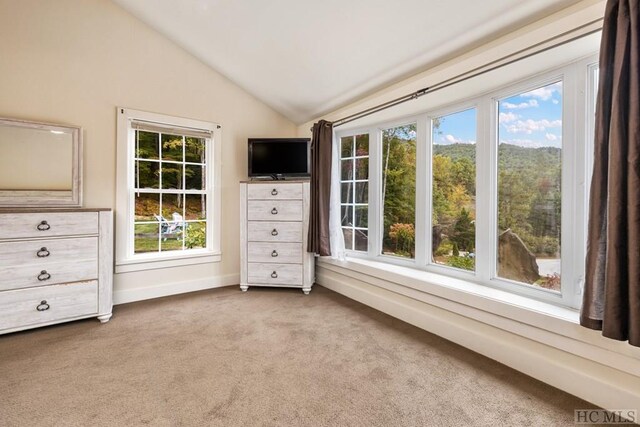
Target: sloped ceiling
point(305, 58)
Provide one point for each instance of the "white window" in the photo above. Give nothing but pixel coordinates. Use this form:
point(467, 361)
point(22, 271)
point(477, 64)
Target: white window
point(168, 210)
point(491, 190)
point(354, 189)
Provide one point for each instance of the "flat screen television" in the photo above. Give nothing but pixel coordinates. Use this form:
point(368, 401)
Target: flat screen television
point(279, 157)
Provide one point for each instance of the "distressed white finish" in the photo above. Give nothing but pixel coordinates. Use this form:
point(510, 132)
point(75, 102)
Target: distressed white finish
point(75, 267)
point(274, 252)
point(49, 198)
point(273, 246)
point(276, 210)
point(24, 225)
point(275, 274)
point(266, 231)
point(305, 57)
point(275, 191)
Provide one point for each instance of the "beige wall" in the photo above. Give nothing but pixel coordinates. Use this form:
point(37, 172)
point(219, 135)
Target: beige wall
point(74, 61)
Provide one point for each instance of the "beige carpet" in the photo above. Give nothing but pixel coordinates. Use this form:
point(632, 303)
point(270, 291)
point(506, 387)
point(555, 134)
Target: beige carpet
point(267, 357)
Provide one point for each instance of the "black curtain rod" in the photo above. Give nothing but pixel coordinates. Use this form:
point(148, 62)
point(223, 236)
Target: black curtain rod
point(478, 71)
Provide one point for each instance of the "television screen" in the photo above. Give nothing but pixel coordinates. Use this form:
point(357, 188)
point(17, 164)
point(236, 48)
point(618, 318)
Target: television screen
point(279, 157)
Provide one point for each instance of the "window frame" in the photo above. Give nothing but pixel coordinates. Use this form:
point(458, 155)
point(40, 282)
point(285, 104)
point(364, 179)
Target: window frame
point(576, 168)
point(126, 259)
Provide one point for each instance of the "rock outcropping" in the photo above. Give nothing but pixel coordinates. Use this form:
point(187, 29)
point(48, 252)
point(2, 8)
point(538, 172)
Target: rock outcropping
point(515, 260)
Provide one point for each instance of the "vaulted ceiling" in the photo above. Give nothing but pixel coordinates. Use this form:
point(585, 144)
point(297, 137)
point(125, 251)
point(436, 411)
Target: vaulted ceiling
point(305, 58)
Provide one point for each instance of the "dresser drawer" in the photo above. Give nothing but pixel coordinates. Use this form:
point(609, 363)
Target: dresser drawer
point(276, 210)
point(274, 191)
point(280, 231)
point(275, 274)
point(274, 252)
point(45, 224)
point(44, 262)
point(46, 304)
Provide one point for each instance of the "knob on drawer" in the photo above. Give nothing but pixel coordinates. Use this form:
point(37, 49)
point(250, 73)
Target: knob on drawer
point(43, 253)
point(274, 253)
point(274, 192)
point(43, 226)
point(43, 306)
point(44, 276)
point(274, 232)
point(274, 274)
point(274, 211)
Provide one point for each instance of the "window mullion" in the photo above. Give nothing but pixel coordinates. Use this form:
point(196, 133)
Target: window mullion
point(375, 192)
point(486, 189)
point(423, 192)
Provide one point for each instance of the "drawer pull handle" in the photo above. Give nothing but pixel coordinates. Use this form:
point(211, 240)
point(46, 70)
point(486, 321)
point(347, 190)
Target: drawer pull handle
point(274, 211)
point(274, 192)
point(43, 226)
point(274, 232)
point(43, 253)
point(274, 275)
point(274, 253)
point(43, 306)
point(44, 276)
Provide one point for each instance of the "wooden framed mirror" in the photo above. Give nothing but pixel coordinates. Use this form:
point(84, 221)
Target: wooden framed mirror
point(40, 164)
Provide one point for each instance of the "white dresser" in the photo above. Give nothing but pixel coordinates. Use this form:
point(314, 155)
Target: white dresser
point(55, 266)
point(274, 223)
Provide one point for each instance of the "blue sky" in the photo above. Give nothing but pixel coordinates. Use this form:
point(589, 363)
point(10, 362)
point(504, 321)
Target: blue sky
point(531, 119)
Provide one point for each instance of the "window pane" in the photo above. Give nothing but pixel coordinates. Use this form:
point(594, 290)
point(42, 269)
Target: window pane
point(195, 207)
point(147, 145)
point(454, 189)
point(172, 147)
point(529, 187)
point(361, 216)
point(346, 192)
point(145, 238)
point(346, 147)
point(362, 192)
point(147, 207)
point(194, 177)
point(347, 215)
point(172, 205)
point(346, 168)
point(172, 176)
point(147, 174)
point(399, 190)
point(362, 168)
point(361, 240)
point(355, 192)
point(194, 150)
point(196, 235)
point(348, 238)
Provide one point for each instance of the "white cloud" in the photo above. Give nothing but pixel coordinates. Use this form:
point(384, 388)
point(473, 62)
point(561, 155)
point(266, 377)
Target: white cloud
point(543, 93)
point(555, 101)
point(552, 137)
point(507, 117)
point(510, 106)
point(450, 139)
point(529, 126)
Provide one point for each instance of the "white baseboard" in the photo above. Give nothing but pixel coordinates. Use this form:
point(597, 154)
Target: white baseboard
point(594, 382)
point(139, 294)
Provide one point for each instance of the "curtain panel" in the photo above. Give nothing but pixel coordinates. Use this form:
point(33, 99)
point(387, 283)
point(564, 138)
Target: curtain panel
point(611, 299)
point(320, 191)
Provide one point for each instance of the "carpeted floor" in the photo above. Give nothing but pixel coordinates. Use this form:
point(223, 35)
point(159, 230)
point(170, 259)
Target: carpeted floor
point(268, 357)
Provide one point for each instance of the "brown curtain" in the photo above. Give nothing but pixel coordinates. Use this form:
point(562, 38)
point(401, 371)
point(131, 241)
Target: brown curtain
point(321, 143)
point(612, 286)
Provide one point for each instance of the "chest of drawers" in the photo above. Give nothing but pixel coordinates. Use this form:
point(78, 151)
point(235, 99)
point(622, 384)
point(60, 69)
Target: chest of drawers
point(274, 222)
point(55, 266)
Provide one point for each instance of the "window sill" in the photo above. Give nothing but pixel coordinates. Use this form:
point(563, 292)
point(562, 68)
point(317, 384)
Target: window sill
point(546, 323)
point(131, 265)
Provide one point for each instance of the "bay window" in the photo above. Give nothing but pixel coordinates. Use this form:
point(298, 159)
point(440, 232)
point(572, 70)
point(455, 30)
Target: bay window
point(492, 190)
